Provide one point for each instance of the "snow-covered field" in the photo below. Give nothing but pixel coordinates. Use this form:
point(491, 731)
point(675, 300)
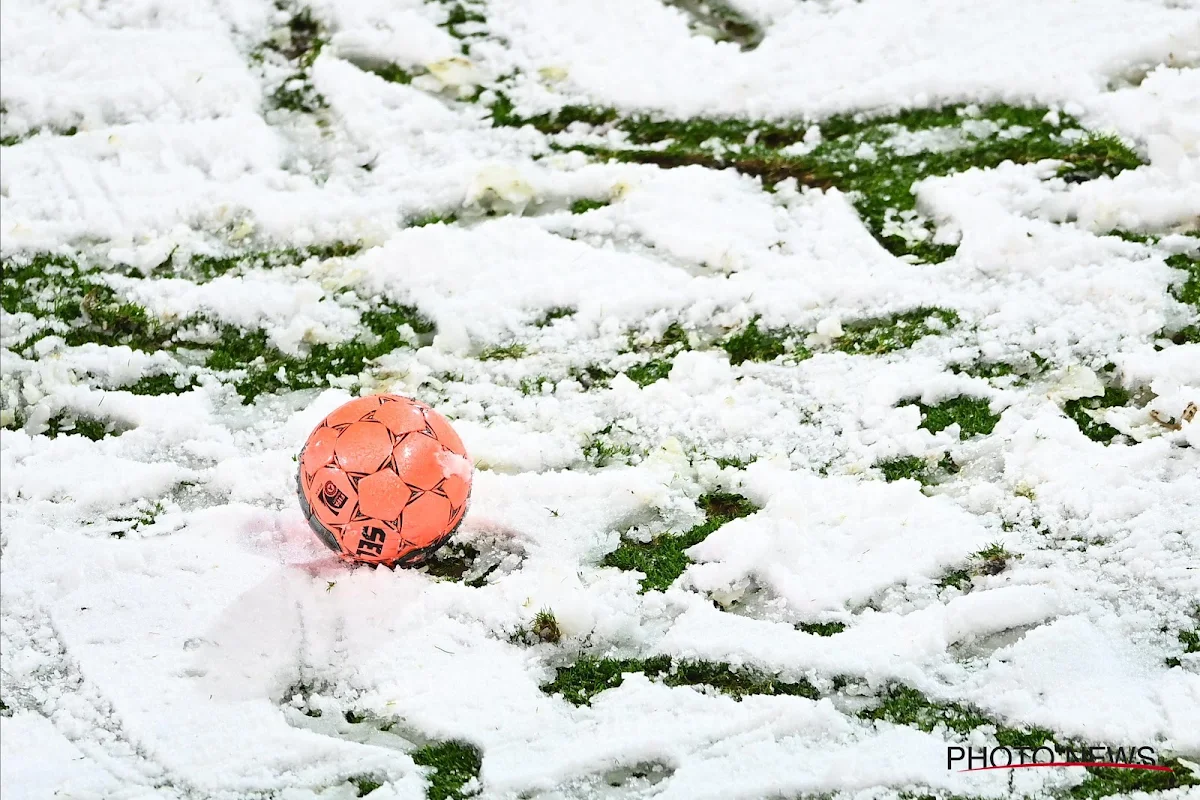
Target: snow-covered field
point(828, 367)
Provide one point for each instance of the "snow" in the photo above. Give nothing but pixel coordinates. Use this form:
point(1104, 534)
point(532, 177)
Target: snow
point(165, 663)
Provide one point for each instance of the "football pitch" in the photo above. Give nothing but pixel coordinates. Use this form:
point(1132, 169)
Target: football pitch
point(828, 372)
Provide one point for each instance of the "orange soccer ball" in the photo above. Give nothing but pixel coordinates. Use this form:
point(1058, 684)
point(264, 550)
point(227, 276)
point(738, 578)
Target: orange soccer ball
point(384, 480)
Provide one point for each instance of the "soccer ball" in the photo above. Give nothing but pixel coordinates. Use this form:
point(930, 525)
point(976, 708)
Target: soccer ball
point(384, 480)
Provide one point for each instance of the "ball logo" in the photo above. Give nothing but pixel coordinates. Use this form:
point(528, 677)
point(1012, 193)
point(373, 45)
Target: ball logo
point(334, 497)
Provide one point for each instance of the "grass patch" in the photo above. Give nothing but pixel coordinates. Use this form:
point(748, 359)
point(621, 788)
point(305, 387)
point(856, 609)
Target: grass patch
point(69, 300)
point(163, 383)
point(592, 376)
point(971, 413)
point(672, 341)
point(991, 560)
point(663, 560)
point(918, 469)
point(203, 268)
point(649, 372)
point(860, 337)
point(902, 705)
point(600, 450)
point(297, 45)
point(365, 784)
point(259, 368)
point(587, 677)
point(877, 159)
point(1188, 291)
point(1189, 640)
point(532, 386)
point(543, 629)
point(504, 115)
point(585, 205)
point(1093, 429)
point(502, 353)
point(911, 467)
point(13, 139)
point(988, 369)
point(434, 218)
point(899, 331)
point(822, 628)
point(1101, 782)
point(66, 423)
point(392, 73)
point(452, 766)
point(756, 344)
point(551, 314)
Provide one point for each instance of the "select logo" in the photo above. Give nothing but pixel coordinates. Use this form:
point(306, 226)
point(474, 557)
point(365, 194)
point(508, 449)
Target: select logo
point(978, 759)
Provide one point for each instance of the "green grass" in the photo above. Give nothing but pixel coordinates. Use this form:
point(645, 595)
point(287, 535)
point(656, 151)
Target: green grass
point(503, 352)
point(592, 376)
point(896, 332)
point(991, 560)
point(860, 337)
point(662, 351)
point(1094, 430)
point(585, 205)
point(753, 343)
point(143, 518)
point(464, 20)
point(545, 626)
point(663, 559)
point(918, 469)
point(881, 186)
point(89, 427)
point(551, 314)
point(9, 141)
point(298, 44)
point(649, 372)
point(70, 300)
point(588, 676)
point(543, 629)
point(203, 268)
point(160, 384)
point(392, 73)
point(365, 784)
point(257, 367)
point(987, 369)
point(1188, 291)
point(822, 628)
point(434, 218)
point(600, 450)
point(1102, 782)
point(971, 413)
point(908, 467)
point(452, 765)
point(1189, 640)
point(902, 705)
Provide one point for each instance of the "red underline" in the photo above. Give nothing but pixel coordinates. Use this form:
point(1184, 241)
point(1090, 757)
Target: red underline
point(1104, 764)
